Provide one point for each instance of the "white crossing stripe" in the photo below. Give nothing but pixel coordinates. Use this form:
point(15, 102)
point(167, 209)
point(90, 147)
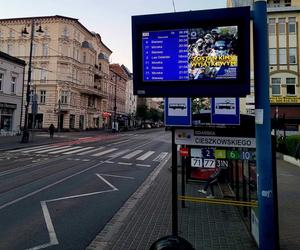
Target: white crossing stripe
point(36, 149)
point(90, 151)
point(143, 165)
point(64, 150)
point(119, 142)
point(145, 156)
point(29, 149)
point(161, 156)
point(125, 163)
point(51, 149)
point(77, 150)
point(105, 152)
point(117, 154)
point(134, 153)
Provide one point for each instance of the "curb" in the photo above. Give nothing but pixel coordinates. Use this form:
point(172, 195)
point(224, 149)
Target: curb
point(114, 225)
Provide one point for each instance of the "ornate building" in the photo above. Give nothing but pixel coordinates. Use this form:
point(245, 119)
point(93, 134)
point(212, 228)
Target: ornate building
point(70, 69)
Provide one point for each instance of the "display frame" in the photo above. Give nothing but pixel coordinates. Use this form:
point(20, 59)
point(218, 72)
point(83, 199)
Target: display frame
point(238, 87)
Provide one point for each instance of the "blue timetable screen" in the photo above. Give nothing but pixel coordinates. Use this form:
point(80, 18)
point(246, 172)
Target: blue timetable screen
point(190, 54)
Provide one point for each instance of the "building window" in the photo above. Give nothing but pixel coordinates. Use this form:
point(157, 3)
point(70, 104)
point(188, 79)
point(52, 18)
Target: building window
point(272, 25)
point(282, 56)
point(84, 57)
point(43, 96)
point(287, 3)
point(65, 32)
point(1, 80)
point(276, 3)
point(64, 97)
point(45, 49)
point(292, 55)
point(13, 84)
point(11, 33)
point(9, 48)
point(292, 24)
point(291, 86)
point(281, 24)
point(272, 55)
point(43, 75)
point(34, 49)
point(275, 86)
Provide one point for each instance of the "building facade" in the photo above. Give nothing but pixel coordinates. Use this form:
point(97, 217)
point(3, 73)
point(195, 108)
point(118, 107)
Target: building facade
point(70, 69)
point(11, 87)
point(117, 97)
point(284, 44)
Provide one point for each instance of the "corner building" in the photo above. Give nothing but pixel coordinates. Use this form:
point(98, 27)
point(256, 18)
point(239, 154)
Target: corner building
point(70, 70)
point(284, 52)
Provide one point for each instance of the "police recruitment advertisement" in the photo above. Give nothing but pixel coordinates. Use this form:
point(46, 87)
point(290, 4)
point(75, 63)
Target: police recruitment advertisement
point(190, 54)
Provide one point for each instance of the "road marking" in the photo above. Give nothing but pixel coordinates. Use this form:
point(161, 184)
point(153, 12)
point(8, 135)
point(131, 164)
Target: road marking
point(143, 165)
point(77, 150)
point(145, 156)
point(38, 149)
point(161, 156)
point(21, 149)
point(86, 160)
point(117, 154)
point(125, 163)
point(119, 142)
point(134, 153)
point(90, 151)
point(51, 149)
point(109, 162)
point(119, 176)
point(64, 150)
point(105, 152)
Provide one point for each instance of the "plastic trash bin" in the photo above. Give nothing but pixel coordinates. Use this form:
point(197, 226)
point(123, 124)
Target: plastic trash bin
point(171, 242)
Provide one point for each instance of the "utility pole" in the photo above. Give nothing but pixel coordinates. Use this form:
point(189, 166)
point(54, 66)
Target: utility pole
point(115, 106)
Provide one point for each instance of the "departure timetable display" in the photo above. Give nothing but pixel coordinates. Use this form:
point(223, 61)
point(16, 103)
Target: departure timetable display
point(190, 54)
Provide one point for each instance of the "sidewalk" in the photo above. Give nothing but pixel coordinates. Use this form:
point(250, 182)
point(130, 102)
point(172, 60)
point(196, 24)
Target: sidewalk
point(147, 216)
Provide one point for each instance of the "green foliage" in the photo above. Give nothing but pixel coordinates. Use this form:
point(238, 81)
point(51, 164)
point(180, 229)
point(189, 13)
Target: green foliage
point(291, 143)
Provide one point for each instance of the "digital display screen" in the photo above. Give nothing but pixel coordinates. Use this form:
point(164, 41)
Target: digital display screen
point(190, 54)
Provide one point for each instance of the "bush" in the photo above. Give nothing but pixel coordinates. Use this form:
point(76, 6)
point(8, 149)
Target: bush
point(291, 143)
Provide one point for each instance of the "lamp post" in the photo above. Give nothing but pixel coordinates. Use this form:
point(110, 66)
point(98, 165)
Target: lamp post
point(25, 137)
point(115, 105)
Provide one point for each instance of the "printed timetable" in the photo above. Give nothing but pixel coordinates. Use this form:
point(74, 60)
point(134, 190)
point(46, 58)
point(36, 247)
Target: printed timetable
point(165, 55)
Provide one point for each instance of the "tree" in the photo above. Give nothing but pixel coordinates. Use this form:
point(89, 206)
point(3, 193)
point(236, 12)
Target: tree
point(142, 112)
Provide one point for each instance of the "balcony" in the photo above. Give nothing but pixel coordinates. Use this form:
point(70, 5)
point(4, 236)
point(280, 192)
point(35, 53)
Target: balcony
point(93, 91)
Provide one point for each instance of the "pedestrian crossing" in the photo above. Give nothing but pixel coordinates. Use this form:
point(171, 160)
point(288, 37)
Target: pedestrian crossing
point(126, 154)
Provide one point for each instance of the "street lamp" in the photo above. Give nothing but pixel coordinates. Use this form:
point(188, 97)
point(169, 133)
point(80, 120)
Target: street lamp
point(25, 137)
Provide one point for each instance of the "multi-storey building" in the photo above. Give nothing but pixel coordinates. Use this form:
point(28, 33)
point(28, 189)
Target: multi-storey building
point(284, 44)
point(11, 86)
point(131, 99)
point(117, 96)
point(70, 69)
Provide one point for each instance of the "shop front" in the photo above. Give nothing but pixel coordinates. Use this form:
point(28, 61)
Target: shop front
point(6, 116)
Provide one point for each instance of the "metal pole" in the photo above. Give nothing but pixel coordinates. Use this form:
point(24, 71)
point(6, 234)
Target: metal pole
point(174, 186)
point(267, 225)
point(25, 136)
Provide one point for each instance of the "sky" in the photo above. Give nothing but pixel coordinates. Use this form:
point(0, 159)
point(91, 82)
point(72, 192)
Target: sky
point(110, 18)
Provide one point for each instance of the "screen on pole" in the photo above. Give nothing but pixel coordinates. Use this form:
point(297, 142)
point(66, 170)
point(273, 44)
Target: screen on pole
point(196, 53)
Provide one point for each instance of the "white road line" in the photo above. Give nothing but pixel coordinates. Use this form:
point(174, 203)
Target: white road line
point(21, 149)
point(90, 151)
point(134, 153)
point(105, 152)
point(143, 165)
point(77, 150)
point(86, 160)
point(161, 156)
point(125, 163)
point(64, 150)
point(119, 142)
point(145, 156)
point(37, 149)
point(52, 149)
point(109, 162)
point(119, 176)
point(117, 154)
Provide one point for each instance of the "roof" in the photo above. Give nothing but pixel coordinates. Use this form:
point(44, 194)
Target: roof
point(12, 59)
point(117, 69)
point(56, 17)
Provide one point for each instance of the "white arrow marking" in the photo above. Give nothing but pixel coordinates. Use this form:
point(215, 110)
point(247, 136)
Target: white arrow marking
point(47, 217)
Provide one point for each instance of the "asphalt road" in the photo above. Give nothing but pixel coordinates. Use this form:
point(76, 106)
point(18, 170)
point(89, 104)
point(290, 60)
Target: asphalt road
point(60, 196)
